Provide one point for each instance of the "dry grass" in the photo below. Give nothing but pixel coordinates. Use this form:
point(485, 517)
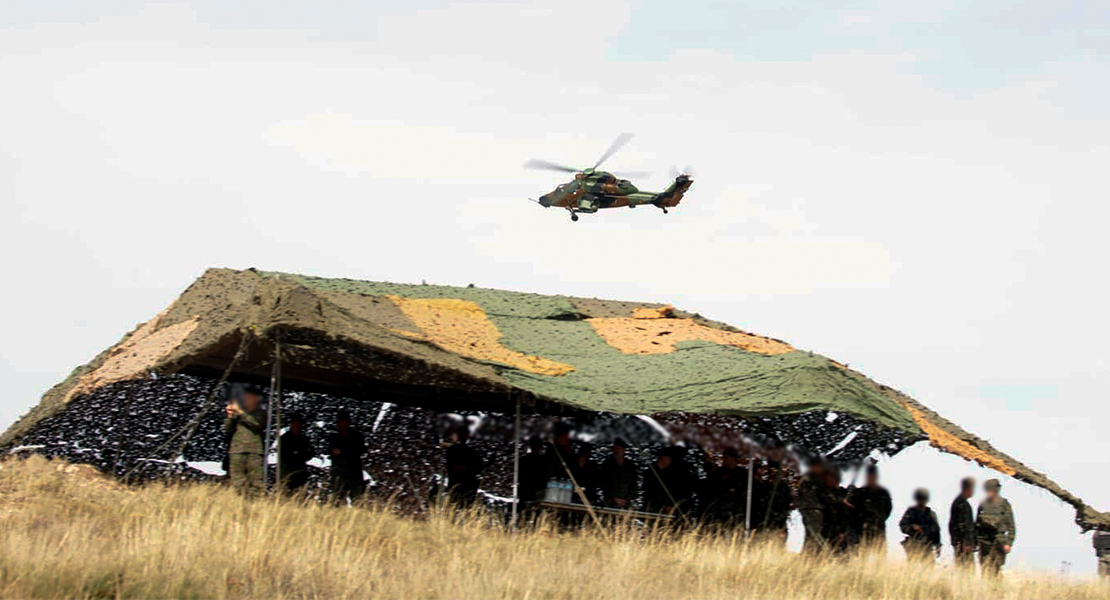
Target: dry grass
point(69, 533)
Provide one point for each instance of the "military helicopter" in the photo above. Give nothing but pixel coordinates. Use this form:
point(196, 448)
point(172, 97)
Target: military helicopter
point(592, 189)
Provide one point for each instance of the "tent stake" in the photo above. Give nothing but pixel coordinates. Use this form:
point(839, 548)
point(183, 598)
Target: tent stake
point(516, 462)
point(275, 409)
point(748, 501)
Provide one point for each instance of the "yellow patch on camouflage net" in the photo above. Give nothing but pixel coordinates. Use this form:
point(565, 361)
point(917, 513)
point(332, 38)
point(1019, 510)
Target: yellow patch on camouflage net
point(462, 327)
point(135, 355)
point(644, 312)
point(660, 335)
point(943, 440)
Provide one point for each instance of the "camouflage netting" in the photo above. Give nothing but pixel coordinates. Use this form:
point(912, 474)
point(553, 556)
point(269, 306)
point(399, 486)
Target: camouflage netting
point(467, 349)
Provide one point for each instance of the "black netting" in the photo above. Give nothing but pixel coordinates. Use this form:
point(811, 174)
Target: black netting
point(120, 426)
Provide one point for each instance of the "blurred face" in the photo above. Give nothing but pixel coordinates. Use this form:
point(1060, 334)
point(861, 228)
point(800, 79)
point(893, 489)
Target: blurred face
point(921, 499)
point(872, 480)
point(992, 493)
point(563, 439)
point(967, 488)
point(342, 424)
point(729, 461)
point(618, 452)
point(296, 427)
point(251, 401)
point(663, 461)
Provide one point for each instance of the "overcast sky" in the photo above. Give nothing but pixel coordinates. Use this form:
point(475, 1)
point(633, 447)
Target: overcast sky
point(917, 189)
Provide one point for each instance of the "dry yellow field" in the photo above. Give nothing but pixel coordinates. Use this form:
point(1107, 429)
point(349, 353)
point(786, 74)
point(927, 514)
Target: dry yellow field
point(69, 533)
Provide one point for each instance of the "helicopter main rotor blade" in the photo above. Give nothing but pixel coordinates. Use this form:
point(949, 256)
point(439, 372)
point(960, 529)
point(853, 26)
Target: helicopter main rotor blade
point(617, 144)
point(536, 163)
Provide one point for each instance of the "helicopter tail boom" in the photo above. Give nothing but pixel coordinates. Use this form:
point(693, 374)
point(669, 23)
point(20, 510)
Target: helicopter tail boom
point(673, 194)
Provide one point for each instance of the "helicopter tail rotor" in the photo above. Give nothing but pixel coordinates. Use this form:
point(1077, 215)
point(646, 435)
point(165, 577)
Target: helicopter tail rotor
point(688, 171)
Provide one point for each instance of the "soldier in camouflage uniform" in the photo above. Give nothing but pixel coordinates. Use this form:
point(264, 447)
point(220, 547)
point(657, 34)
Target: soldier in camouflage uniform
point(245, 426)
point(1101, 542)
point(811, 503)
point(961, 526)
point(771, 504)
point(995, 529)
point(838, 534)
point(619, 477)
point(871, 507)
point(346, 447)
point(922, 530)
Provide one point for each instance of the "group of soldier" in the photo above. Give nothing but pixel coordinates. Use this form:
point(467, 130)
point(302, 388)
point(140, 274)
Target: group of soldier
point(838, 520)
point(245, 429)
point(670, 483)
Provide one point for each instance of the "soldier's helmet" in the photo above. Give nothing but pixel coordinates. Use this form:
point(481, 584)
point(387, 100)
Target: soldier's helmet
point(992, 484)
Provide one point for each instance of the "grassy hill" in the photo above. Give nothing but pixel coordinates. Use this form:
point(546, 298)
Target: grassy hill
point(71, 533)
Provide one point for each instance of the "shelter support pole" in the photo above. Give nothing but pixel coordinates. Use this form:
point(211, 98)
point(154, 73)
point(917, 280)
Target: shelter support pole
point(516, 463)
point(748, 500)
point(577, 488)
point(274, 412)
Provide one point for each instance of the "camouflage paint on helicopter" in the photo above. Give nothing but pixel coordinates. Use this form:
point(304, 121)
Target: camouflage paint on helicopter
point(591, 189)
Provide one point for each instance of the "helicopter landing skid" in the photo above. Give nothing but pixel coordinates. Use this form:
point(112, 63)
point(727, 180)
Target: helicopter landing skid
point(573, 214)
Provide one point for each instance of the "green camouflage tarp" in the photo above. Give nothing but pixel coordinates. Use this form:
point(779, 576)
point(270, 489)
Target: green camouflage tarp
point(578, 353)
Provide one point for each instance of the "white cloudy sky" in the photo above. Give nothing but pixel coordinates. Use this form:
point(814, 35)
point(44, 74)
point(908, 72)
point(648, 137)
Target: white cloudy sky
point(918, 189)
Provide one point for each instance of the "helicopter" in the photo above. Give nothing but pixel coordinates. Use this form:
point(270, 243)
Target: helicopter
point(591, 189)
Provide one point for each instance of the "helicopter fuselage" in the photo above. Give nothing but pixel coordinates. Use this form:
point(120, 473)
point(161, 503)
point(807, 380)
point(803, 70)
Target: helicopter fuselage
point(591, 191)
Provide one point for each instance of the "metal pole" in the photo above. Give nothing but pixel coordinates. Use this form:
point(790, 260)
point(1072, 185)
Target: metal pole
point(274, 374)
point(748, 502)
point(276, 393)
point(516, 463)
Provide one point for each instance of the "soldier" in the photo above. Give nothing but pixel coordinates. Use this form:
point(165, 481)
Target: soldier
point(726, 491)
point(619, 479)
point(533, 471)
point(666, 484)
point(586, 474)
point(561, 457)
point(811, 503)
point(245, 426)
point(294, 452)
point(464, 465)
point(871, 508)
point(1101, 541)
point(838, 532)
point(922, 530)
point(346, 446)
point(995, 528)
point(771, 503)
point(961, 525)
